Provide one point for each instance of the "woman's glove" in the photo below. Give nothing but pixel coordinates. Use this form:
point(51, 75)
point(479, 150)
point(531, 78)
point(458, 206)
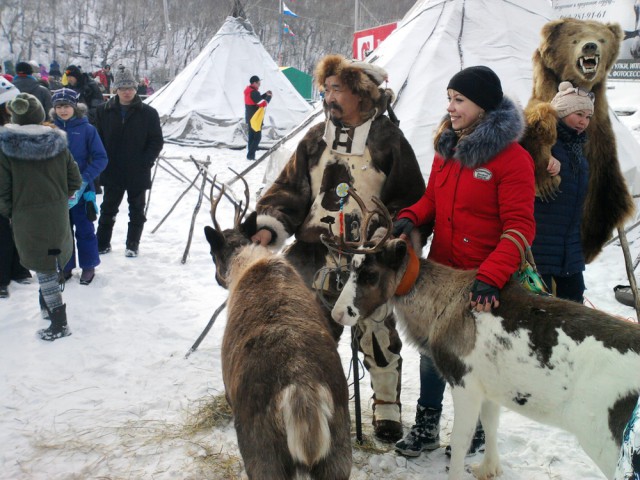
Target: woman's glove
point(402, 226)
point(484, 297)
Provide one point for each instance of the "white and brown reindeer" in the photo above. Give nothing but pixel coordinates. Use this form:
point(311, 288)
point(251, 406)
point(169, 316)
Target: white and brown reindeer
point(554, 361)
point(282, 373)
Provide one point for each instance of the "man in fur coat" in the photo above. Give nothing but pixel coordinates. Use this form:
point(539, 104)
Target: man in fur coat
point(360, 148)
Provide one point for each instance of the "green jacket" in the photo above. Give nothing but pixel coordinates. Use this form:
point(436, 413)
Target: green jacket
point(37, 176)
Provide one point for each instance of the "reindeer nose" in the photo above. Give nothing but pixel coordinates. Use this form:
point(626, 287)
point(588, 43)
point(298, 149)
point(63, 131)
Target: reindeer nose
point(590, 48)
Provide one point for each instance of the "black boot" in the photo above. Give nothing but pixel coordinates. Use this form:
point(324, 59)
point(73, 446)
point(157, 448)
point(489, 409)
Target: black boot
point(424, 435)
point(58, 327)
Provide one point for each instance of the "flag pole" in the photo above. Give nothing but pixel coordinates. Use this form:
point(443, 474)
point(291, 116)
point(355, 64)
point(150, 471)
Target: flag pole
point(280, 35)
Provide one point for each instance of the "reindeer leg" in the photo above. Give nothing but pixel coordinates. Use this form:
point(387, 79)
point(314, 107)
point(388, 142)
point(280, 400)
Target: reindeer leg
point(490, 466)
point(467, 401)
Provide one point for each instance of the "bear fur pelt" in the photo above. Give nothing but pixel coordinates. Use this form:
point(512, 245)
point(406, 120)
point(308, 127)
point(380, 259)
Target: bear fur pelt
point(581, 52)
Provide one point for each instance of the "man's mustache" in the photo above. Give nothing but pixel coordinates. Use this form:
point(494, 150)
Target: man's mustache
point(335, 106)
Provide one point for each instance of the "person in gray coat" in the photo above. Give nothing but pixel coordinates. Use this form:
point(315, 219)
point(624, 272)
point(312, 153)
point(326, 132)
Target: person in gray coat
point(37, 176)
point(27, 83)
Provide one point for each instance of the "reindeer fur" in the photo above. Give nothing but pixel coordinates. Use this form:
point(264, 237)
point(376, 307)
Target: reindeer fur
point(281, 369)
point(557, 362)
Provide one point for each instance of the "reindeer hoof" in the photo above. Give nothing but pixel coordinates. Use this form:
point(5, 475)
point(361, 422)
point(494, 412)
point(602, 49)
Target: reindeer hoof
point(387, 431)
point(486, 471)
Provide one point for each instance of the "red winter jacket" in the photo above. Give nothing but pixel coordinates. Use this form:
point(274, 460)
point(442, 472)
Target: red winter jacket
point(469, 208)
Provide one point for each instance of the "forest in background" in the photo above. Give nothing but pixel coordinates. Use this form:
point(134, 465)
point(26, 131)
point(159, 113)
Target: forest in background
point(91, 33)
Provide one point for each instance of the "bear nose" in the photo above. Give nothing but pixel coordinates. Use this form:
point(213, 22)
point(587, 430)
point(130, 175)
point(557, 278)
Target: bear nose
point(590, 48)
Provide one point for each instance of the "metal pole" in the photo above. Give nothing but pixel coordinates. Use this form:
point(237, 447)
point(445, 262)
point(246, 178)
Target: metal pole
point(356, 384)
point(169, 39)
point(356, 16)
point(280, 21)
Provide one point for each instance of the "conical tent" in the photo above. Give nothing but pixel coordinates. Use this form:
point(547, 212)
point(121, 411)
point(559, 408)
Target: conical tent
point(204, 104)
point(437, 38)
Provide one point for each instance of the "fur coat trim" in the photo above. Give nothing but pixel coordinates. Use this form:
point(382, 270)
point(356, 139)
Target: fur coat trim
point(32, 142)
point(498, 129)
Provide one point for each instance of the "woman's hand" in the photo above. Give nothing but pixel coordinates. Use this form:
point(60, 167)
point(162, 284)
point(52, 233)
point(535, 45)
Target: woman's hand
point(484, 297)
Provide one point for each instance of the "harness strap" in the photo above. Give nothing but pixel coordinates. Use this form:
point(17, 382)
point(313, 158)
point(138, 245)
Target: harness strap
point(410, 274)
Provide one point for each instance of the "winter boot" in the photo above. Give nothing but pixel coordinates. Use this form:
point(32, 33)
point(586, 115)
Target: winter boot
point(58, 327)
point(87, 276)
point(43, 306)
point(387, 430)
point(424, 435)
point(477, 443)
point(4, 291)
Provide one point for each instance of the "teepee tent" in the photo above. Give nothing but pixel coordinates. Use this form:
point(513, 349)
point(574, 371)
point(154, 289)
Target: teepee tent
point(204, 104)
point(437, 38)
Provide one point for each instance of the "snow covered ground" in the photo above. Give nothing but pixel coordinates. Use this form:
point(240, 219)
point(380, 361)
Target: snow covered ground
point(117, 399)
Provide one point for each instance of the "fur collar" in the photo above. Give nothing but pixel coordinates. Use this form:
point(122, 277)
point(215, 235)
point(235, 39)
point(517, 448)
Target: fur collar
point(32, 142)
point(498, 129)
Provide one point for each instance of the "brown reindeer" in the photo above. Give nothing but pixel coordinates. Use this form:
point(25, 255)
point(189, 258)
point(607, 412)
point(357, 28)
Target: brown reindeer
point(281, 369)
point(555, 361)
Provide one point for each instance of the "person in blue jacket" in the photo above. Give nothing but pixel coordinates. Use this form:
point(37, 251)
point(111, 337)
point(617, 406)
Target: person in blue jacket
point(90, 155)
point(557, 247)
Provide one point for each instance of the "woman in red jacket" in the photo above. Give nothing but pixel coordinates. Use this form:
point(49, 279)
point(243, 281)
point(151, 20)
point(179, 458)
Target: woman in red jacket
point(481, 184)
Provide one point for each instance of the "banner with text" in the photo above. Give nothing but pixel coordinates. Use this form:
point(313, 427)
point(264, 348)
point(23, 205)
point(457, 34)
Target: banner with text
point(624, 12)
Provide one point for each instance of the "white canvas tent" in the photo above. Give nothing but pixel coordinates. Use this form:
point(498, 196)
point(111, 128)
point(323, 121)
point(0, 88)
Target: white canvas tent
point(204, 104)
point(437, 38)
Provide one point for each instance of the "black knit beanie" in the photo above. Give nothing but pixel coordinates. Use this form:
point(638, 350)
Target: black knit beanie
point(479, 84)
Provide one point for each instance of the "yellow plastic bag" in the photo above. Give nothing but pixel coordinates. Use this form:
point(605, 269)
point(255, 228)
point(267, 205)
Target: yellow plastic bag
point(257, 119)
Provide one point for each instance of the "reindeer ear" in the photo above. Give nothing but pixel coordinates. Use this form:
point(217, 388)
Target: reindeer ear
point(215, 238)
point(250, 225)
point(393, 254)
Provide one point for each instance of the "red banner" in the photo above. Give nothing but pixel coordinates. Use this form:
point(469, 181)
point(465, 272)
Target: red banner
point(366, 41)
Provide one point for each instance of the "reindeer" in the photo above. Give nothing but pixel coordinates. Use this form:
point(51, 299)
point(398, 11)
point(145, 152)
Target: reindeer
point(282, 373)
point(555, 361)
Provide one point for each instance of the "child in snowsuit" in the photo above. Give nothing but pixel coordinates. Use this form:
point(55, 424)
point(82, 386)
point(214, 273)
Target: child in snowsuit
point(89, 153)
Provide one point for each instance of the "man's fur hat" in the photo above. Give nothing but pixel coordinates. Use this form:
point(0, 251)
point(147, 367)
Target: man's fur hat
point(362, 78)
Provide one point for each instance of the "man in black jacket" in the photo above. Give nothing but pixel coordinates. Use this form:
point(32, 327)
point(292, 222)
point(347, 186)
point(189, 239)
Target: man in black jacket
point(87, 88)
point(131, 133)
point(27, 83)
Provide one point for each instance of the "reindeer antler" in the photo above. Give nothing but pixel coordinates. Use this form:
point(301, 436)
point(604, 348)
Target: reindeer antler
point(238, 207)
point(214, 203)
point(336, 242)
point(239, 211)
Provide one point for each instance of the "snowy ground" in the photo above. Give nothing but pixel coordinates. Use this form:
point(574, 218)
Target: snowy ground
point(116, 400)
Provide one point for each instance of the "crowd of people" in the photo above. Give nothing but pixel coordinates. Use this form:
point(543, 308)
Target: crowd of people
point(54, 147)
point(482, 184)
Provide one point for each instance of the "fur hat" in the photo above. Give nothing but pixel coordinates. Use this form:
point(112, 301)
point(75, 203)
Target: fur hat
point(7, 91)
point(25, 68)
point(361, 77)
point(73, 71)
point(479, 84)
point(124, 79)
point(26, 110)
point(64, 96)
point(570, 99)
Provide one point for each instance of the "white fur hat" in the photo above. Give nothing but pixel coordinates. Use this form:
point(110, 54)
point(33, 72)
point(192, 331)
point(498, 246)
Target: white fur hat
point(570, 99)
point(7, 91)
